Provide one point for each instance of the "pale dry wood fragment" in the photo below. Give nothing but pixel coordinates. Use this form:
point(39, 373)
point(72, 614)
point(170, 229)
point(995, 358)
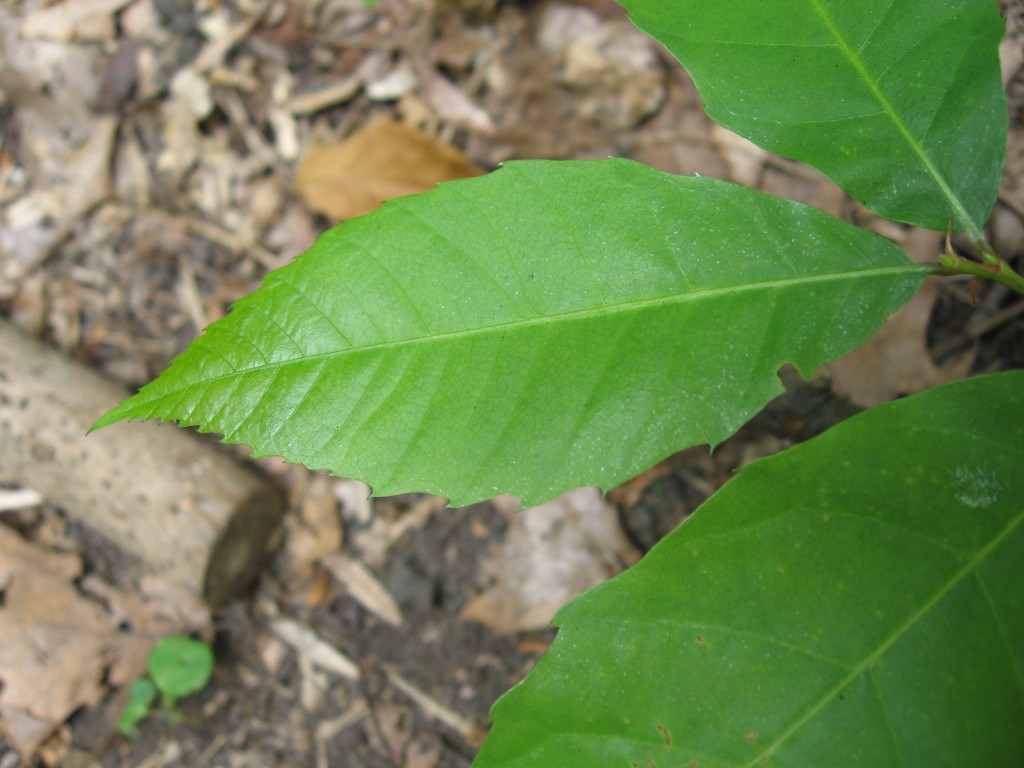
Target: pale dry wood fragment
point(316, 658)
point(215, 51)
point(314, 649)
point(12, 500)
point(454, 106)
point(364, 587)
point(470, 731)
point(336, 93)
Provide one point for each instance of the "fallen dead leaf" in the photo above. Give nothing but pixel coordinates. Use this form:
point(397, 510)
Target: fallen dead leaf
point(155, 610)
point(65, 638)
point(380, 162)
point(550, 554)
point(895, 361)
point(55, 749)
point(54, 643)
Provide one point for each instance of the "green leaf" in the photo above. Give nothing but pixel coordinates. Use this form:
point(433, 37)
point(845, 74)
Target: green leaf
point(900, 102)
point(856, 600)
point(141, 694)
point(180, 665)
point(548, 326)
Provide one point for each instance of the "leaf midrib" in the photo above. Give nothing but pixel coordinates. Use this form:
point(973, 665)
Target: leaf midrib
point(610, 309)
point(858, 65)
point(967, 570)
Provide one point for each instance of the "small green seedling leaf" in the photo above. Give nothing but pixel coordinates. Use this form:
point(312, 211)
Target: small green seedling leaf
point(855, 600)
point(141, 695)
point(548, 326)
point(900, 102)
point(180, 665)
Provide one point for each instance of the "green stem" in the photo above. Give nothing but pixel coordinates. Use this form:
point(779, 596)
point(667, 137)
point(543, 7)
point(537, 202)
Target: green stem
point(985, 250)
point(994, 268)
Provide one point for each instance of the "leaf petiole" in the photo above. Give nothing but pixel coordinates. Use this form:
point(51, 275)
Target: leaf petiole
point(994, 268)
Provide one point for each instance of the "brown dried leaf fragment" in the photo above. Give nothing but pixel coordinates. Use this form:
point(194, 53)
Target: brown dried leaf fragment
point(895, 361)
point(550, 554)
point(54, 643)
point(379, 162)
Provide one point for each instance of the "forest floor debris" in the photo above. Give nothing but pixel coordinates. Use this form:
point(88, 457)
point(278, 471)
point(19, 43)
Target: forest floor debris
point(150, 175)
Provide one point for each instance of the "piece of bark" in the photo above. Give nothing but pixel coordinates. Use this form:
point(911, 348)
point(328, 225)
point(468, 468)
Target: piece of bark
point(188, 513)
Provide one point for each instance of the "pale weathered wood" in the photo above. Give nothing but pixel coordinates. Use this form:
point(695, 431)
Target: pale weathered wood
point(190, 513)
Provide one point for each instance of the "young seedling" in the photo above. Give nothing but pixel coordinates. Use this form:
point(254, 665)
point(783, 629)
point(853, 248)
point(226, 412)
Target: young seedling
point(178, 666)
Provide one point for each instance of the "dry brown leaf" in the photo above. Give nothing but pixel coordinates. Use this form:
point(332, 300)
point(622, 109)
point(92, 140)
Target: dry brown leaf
point(63, 638)
point(155, 610)
point(550, 554)
point(895, 361)
point(380, 162)
point(191, 101)
point(54, 643)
